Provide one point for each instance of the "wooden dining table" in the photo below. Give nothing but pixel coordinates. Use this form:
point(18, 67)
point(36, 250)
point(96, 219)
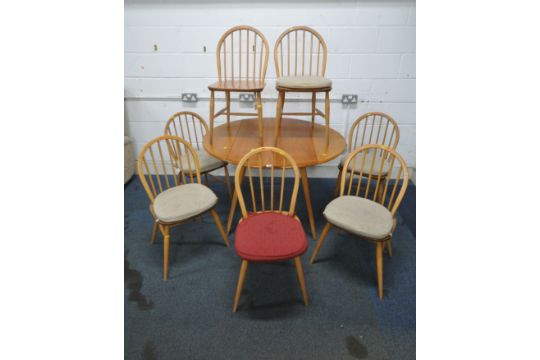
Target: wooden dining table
point(303, 140)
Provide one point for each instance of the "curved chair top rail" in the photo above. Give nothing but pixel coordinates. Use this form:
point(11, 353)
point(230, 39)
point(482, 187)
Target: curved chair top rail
point(242, 60)
point(160, 169)
point(188, 125)
point(361, 173)
point(276, 160)
point(373, 128)
point(290, 53)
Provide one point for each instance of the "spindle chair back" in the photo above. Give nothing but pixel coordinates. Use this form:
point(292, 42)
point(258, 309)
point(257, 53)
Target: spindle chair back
point(276, 163)
point(300, 50)
point(361, 181)
point(242, 55)
point(373, 128)
point(160, 168)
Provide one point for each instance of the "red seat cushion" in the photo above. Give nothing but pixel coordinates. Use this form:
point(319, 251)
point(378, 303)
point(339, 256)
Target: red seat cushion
point(269, 237)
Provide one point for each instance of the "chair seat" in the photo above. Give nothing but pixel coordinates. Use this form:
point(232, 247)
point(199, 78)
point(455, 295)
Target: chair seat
point(237, 85)
point(367, 164)
point(360, 216)
point(183, 201)
point(206, 162)
point(269, 237)
point(303, 82)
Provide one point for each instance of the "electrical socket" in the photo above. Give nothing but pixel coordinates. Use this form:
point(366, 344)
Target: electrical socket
point(189, 97)
point(349, 99)
point(246, 98)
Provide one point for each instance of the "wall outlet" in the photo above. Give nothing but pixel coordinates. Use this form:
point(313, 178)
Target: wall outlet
point(246, 98)
point(189, 97)
point(349, 99)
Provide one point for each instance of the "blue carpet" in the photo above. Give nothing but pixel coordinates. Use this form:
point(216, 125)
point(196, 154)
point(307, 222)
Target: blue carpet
point(190, 316)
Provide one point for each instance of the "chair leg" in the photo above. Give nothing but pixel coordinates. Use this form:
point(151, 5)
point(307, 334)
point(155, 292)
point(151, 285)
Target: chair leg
point(154, 232)
point(228, 181)
point(320, 242)
point(228, 105)
point(206, 178)
point(260, 117)
point(220, 226)
point(166, 239)
point(389, 247)
point(279, 112)
point(301, 279)
point(338, 183)
point(240, 285)
point(327, 118)
point(380, 246)
point(211, 117)
point(313, 107)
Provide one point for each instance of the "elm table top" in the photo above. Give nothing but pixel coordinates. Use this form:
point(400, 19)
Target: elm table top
point(304, 142)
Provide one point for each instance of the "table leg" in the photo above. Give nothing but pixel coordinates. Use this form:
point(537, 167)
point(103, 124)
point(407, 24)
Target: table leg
point(234, 201)
point(307, 196)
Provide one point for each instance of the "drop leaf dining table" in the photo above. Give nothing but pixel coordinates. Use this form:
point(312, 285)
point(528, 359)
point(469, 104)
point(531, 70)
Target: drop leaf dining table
point(304, 140)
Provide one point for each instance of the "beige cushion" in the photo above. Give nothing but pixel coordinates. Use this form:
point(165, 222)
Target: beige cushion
point(303, 82)
point(184, 201)
point(367, 164)
point(206, 161)
point(360, 216)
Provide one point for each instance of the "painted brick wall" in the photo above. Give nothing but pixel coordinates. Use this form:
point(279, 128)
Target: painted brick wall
point(371, 52)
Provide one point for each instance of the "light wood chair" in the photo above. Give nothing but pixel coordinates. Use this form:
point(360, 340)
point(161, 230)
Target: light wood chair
point(242, 60)
point(270, 232)
point(367, 203)
point(191, 127)
point(174, 198)
point(370, 128)
point(298, 71)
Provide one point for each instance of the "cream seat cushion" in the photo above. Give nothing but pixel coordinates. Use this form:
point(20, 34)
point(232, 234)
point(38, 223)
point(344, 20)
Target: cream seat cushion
point(184, 201)
point(303, 82)
point(360, 216)
point(206, 162)
point(367, 164)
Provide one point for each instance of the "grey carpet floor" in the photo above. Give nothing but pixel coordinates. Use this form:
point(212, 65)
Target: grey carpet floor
point(190, 316)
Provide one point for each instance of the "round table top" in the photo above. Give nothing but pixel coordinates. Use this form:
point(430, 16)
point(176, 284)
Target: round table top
point(304, 142)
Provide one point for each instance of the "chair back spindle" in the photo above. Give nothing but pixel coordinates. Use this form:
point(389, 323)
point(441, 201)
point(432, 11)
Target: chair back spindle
point(373, 128)
point(362, 180)
point(160, 168)
point(300, 50)
point(275, 162)
point(242, 54)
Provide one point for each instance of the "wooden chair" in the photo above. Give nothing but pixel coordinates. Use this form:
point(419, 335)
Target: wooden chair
point(368, 203)
point(191, 127)
point(269, 232)
point(174, 198)
point(370, 128)
point(242, 59)
point(296, 71)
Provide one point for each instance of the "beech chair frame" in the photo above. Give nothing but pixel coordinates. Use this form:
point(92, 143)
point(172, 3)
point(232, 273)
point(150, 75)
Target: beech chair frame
point(245, 80)
point(270, 159)
point(363, 174)
point(388, 137)
point(179, 125)
point(318, 69)
point(151, 172)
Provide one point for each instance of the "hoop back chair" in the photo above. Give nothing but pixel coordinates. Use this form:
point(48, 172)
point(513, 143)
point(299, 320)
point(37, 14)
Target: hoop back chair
point(370, 128)
point(191, 127)
point(242, 60)
point(298, 71)
point(270, 231)
point(174, 198)
point(368, 203)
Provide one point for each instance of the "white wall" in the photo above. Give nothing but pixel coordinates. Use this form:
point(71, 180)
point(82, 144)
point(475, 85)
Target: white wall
point(371, 52)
